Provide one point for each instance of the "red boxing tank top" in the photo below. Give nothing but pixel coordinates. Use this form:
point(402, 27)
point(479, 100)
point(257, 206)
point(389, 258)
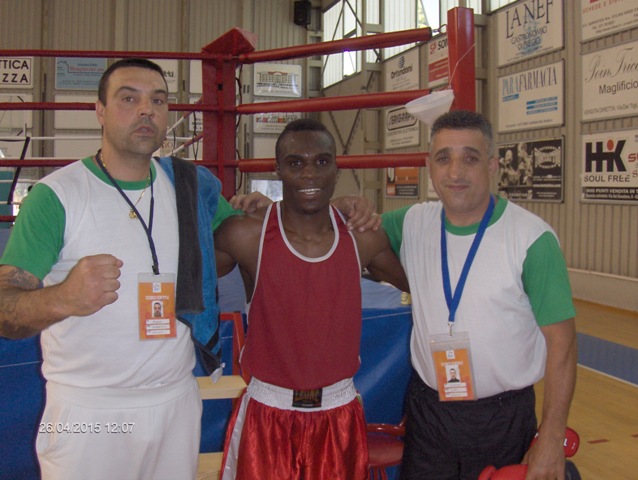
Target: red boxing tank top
point(304, 320)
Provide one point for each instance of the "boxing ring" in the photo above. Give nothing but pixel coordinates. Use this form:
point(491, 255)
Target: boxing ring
point(383, 377)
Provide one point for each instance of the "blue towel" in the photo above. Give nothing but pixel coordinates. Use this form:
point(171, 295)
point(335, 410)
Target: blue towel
point(197, 193)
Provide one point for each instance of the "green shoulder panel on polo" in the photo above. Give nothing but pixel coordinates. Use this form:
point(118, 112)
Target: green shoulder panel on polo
point(38, 234)
point(393, 226)
point(546, 281)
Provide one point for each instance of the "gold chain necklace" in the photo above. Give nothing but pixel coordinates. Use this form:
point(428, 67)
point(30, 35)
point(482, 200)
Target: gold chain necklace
point(131, 214)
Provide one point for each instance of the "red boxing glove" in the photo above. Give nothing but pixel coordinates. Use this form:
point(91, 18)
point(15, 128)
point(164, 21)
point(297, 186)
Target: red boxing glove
point(487, 473)
point(570, 444)
point(510, 472)
point(518, 472)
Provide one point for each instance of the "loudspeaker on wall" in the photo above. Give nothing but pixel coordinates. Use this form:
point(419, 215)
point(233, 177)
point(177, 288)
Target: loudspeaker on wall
point(302, 13)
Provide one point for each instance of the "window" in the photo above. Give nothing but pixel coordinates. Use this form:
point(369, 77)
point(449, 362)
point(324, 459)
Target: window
point(271, 188)
point(496, 4)
point(428, 14)
point(343, 19)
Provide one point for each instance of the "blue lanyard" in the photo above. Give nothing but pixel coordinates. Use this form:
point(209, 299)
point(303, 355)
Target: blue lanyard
point(147, 228)
point(454, 300)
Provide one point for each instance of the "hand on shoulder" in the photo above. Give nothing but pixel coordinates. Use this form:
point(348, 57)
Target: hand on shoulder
point(250, 203)
point(359, 211)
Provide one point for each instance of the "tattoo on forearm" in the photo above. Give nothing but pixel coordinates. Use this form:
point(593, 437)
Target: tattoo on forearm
point(10, 322)
point(19, 278)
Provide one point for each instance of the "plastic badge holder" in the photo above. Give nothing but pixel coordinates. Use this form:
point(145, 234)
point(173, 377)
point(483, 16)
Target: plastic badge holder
point(431, 106)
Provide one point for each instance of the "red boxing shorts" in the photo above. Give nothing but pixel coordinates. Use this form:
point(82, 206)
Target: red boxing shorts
point(271, 436)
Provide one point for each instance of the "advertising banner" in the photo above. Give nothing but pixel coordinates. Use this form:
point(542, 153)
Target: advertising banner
point(602, 17)
point(531, 171)
point(529, 28)
point(171, 73)
point(610, 82)
point(277, 80)
point(401, 129)
point(16, 72)
point(402, 182)
point(273, 122)
point(610, 167)
point(78, 73)
point(401, 73)
point(438, 63)
point(531, 99)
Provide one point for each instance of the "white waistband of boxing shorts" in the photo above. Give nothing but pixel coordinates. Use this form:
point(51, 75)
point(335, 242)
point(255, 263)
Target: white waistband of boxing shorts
point(332, 396)
point(108, 397)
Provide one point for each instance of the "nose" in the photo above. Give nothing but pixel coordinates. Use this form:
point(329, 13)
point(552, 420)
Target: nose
point(146, 107)
point(309, 170)
point(455, 168)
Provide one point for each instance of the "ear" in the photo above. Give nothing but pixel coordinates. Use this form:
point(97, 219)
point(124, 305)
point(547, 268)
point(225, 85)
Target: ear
point(277, 170)
point(99, 112)
point(493, 165)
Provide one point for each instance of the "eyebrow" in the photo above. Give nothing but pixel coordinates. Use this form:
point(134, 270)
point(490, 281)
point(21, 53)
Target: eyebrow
point(160, 91)
point(447, 150)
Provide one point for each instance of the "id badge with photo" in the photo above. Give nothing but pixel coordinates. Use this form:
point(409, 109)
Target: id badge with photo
point(156, 306)
point(453, 366)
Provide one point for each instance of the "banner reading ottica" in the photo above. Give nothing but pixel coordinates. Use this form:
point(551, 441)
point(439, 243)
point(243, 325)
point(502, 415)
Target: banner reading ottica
point(610, 167)
point(16, 72)
point(610, 82)
point(531, 99)
point(603, 17)
point(529, 28)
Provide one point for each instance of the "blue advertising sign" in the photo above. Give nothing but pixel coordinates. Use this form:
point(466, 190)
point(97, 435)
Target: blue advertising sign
point(78, 73)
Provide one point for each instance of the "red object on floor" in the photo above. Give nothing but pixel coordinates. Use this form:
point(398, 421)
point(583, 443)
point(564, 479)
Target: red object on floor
point(385, 448)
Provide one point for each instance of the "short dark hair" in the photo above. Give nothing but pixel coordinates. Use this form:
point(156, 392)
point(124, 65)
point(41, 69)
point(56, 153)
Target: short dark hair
point(302, 125)
point(125, 63)
point(462, 120)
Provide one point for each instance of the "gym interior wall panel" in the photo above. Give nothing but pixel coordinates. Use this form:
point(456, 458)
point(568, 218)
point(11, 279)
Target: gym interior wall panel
point(207, 20)
point(78, 25)
point(153, 26)
point(21, 24)
point(600, 240)
point(274, 26)
point(398, 15)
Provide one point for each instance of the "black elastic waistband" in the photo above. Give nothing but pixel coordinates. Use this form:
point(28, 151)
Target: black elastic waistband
point(499, 397)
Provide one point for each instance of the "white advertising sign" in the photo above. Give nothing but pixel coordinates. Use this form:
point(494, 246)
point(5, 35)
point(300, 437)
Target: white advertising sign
point(171, 73)
point(438, 62)
point(273, 122)
point(16, 72)
point(195, 76)
point(610, 167)
point(610, 82)
point(531, 99)
point(401, 128)
point(529, 28)
point(602, 17)
point(401, 73)
point(277, 80)
point(75, 119)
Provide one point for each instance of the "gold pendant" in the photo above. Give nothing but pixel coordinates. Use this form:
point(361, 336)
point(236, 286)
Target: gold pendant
point(132, 215)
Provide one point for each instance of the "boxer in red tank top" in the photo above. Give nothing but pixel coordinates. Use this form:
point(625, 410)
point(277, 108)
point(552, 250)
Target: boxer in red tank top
point(300, 417)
